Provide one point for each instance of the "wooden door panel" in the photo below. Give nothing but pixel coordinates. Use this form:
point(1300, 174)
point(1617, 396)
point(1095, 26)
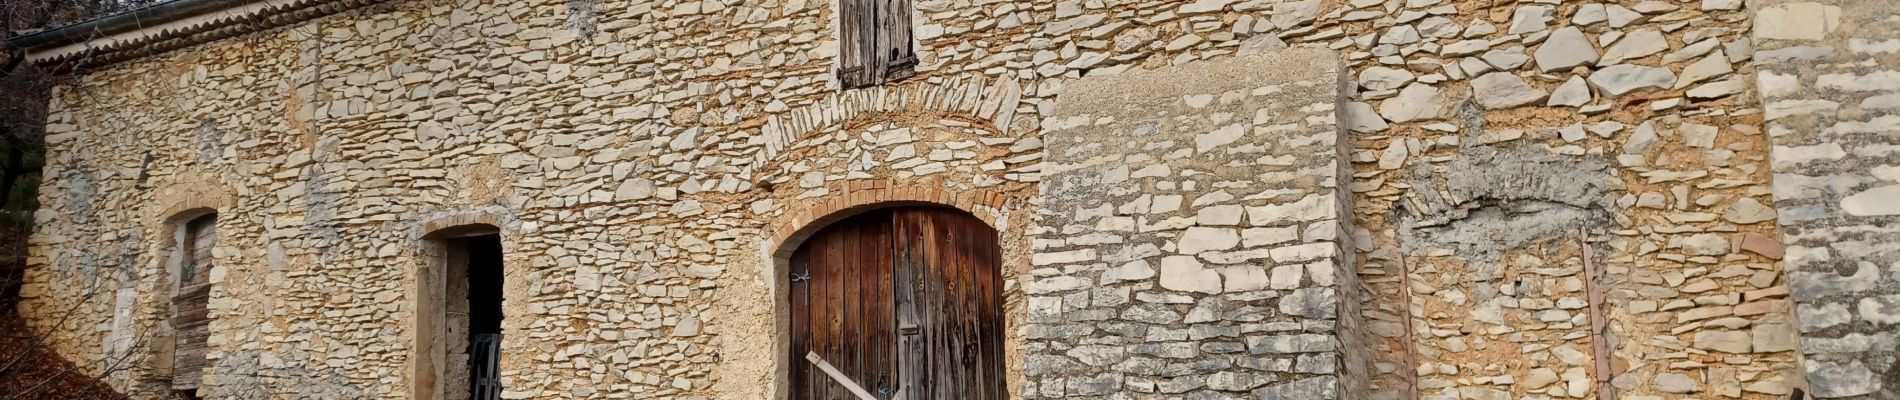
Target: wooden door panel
point(905, 298)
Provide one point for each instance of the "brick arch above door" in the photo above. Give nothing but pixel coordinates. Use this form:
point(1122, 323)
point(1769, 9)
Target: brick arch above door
point(855, 197)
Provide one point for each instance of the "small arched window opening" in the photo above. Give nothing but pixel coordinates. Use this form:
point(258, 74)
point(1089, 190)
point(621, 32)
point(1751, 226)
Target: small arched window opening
point(191, 295)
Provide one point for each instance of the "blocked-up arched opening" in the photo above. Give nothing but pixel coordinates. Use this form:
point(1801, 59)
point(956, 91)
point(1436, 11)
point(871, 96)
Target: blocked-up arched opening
point(902, 301)
point(194, 235)
point(459, 314)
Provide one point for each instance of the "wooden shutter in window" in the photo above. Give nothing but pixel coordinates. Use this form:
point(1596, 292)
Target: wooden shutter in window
point(855, 55)
point(895, 57)
point(875, 42)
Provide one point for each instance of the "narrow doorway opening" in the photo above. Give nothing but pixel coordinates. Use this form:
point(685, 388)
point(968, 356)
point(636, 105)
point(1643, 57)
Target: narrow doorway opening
point(474, 316)
point(191, 297)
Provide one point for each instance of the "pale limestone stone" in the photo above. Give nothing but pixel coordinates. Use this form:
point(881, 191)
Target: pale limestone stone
point(1884, 200)
point(1359, 117)
point(1880, 310)
point(1394, 155)
point(1501, 90)
point(1773, 334)
point(1705, 244)
point(1183, 273)
point(1416, 102)
point(1254, 237)
point(1528, 19)
point(1464, 48)
point(1748, 211)
point(1382, 78)
point(1137, 270)
point(1837, 378)
point(1311, 207)
point(1721, 5)
point(1323, 272)
point(1590, 13)
point(1200, 238)
point(1221, 215)
point(1737, 342)
point(1540, 377)
point(1797, 21)
point(1506, 59)
point(1711, 67)
point(1564, 49)
point(1621, 79)
point(1304, 252)
point(1219, 137)
point(1573, 93)
point(1634, 45)
point(1286, 276)
point(1671, 382)
point(1245, 279)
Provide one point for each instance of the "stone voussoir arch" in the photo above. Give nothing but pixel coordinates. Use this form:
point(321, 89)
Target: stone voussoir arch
point(189, 199)
point(857, 197)
point(454, 223)
point(982, 98)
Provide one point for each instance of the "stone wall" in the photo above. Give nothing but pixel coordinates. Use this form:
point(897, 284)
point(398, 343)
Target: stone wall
point(1190, 243)
point(1830, 82)
point(1548, 200)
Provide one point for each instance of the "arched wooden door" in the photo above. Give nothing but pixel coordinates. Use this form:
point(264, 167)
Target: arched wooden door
point(905, 300)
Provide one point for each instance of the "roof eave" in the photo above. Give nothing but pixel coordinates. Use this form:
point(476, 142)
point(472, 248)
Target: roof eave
point(165, 26)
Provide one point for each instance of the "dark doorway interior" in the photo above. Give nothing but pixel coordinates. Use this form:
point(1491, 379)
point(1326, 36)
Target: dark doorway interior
point(482, 273)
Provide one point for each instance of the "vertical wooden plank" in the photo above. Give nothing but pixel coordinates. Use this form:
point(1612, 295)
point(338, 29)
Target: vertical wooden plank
point(944, 378)
point(956, 260)
point(851, 335)
point(895, 55)
point(834, 310)
point(928, 294)
point(821, 275)
point(969, 304)
point(911, 357)
point(949, 332)
point(867, 44)
point(850, 63)
point(800, 321)
point(879, 322)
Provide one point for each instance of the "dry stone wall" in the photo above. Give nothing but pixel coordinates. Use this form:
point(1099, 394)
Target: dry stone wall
point(1191, 238)
point(1830, 82)
point(1507, 160)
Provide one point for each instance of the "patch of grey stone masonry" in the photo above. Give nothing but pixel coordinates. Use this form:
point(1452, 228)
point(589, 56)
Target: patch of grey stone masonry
point(210, 141)
point(1190, 243)
point(583, 18)
point(1489, 200)
point(320, 213)
point(78, 193)
point(1829, 77)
